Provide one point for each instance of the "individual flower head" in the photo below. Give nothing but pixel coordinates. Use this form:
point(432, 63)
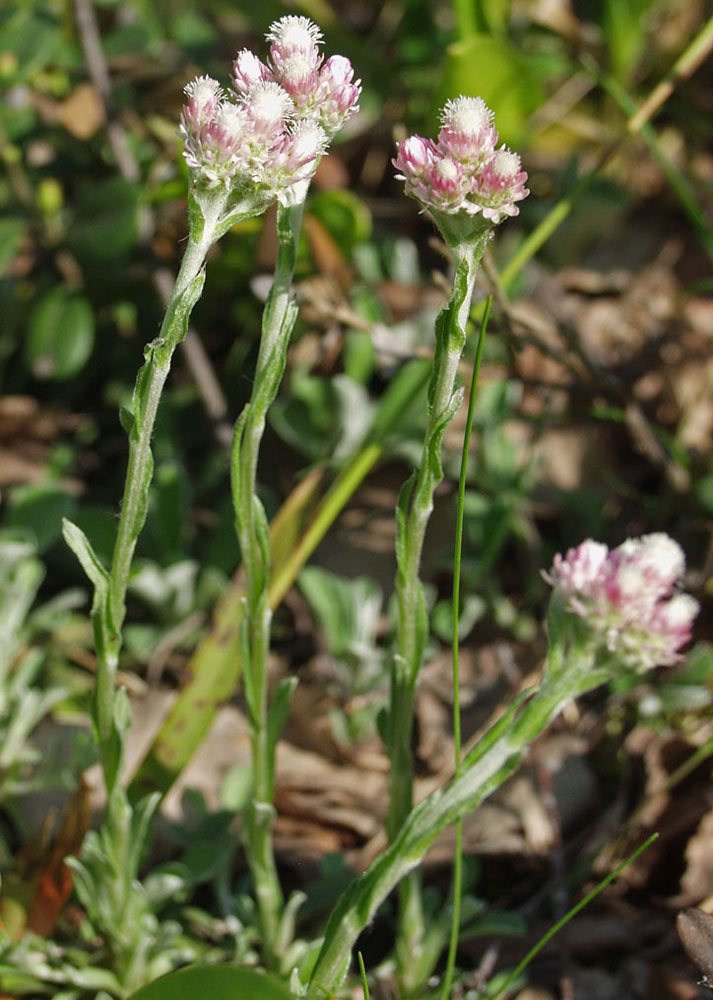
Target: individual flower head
point(291, 35)
point(213, 132)
point(461, 173)
point(248, 71)
point(467, 133)
point(499, 184)
point(293, 161)
point(269, 110)
point(295, 56)
point(626, 597)
point(204, 98)
point(338, 93)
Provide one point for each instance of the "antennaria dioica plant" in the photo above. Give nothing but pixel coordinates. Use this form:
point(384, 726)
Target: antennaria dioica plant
point(245, 149)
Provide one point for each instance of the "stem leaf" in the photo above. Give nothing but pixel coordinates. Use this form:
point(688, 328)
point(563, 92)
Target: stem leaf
point(88, 559)
point(279, 710)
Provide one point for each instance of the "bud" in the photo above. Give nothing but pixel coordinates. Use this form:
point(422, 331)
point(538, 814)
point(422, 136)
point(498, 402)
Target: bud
point(248, 71)
point(337, 94)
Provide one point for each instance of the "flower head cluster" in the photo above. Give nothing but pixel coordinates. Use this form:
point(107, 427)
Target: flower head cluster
point(462, 171)
point(627, 597)
point(270, 131)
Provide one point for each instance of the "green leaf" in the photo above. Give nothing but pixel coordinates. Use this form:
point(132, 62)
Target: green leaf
point(33, 34)
point(219, 982)
point(11, 232)
point(346, 217)
point(402, 511)
point(279, 710)
point(106, 226)
point(40, 509)
point(175, 325)
point(626, 31)
point(61, 335)
point(80, 545)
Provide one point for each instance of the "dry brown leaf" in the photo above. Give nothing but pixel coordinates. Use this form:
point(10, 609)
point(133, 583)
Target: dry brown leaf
point(82, 113)
point(697, 879)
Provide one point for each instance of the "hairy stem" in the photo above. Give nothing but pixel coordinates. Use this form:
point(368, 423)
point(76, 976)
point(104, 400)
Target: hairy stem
point(414, 511)
point(278, 320)
point(149, 386)
point(490, 763)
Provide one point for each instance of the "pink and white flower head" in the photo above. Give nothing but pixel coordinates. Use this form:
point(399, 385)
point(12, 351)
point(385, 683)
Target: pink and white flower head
point(627, 597)
point(337, 95)
point(467, 133)
point(499, 185)
point(269, 109)
point(248, 71)
point(213, 133)
point(437, 181)
point(292, 35)
point(294, 159)
point(286, 110)
point(204, 98)
point(490, 182)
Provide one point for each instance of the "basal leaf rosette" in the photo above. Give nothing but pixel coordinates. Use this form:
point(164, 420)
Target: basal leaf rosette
point(625, 604)
point(461, 178)
point(263, 138)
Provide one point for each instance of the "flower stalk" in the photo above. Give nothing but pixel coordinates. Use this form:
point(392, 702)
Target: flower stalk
point(468, 186)
point(414, 511)
point(315, 97)
point(253, 536)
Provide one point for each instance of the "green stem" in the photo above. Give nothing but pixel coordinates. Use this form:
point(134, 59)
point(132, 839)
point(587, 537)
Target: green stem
point(251, 524)
point(457, 886)
point(487, 766)
point(585, 901)
point(413, 513)
point(147, 393)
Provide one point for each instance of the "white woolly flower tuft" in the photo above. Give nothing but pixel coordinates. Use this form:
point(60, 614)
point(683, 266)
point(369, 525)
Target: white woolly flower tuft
point(294, 33)
point(269, 106)
point(468, 115)
point(203, 90)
